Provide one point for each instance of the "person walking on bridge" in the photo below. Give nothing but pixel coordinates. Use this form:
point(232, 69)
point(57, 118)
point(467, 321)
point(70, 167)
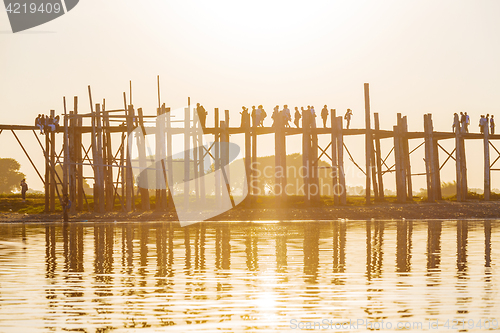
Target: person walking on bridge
point(347, 117)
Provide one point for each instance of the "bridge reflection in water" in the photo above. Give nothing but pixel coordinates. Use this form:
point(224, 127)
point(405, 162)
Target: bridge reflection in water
point(235, 276)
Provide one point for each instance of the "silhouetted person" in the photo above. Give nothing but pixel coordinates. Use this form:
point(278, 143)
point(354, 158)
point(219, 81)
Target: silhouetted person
point(254, 117)
point(245, 117)
point(467, 122)
point(275, 116)
point(305, 116)
point(38, 123)
point(202, 114)
point(324, 115)
point(50, 123)
point(313, 117)
point(482, 121)
point(456, 123)
point(262, 115)
point(56, 123)
point(24, 189)
point(347, 117)
point(297, 117)
point(287, 117)
point(492, 125)
point(43, 122)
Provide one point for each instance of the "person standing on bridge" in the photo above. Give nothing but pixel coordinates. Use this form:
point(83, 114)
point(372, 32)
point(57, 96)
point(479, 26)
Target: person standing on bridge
point(24, 189)
point(347, 117)
point(313, 117)
point(456, 123)
point(38, 123)
point(462, 122)
point(254, 117)
point(202, 114)
point(467, 122)
point(245, 117)
point(286, 116)
point(492, 125)
point(324, 115)
point(482, 122)
point(297, 117)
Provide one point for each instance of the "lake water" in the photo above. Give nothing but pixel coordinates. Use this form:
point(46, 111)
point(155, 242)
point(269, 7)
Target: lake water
point(255, 277)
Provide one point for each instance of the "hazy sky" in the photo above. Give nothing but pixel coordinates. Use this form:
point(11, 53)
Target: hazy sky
point(419, 57)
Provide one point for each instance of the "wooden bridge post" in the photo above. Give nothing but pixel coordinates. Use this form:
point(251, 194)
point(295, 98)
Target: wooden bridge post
point(159, 154)
point(52, 156)
point(399, 160)
point(368, 143)
point(201, 161)
point(435, 172)
point(458, 158)
point(340, 161)
point(248, 158)
point(486, 146)
point(407, 161)
point(226, 146)
point(428, 159)
point(217, 158)
point(187, 157)
point(335, 170)
point(129, 180)
point(195, 125)
point(306, 148)
point(313, 163)
point(78, 156)
point(71, 161)
point(378, 157)
point(110, 202)
point(98, 164)
point(254, 181)
point(170, 166)
point(143, 163)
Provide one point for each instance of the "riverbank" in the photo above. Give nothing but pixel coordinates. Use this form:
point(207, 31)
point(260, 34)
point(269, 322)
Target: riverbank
point(264, 212)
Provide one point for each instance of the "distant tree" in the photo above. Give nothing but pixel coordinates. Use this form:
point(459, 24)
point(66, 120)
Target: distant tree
point(10, 177)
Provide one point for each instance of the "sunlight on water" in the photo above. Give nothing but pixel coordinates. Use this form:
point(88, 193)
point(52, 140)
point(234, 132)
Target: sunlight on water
point(232, 277)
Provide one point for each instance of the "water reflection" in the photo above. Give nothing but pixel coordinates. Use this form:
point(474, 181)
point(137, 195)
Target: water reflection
point(99, 277)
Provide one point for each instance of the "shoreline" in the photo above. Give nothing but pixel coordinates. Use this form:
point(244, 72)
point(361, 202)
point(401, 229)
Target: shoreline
point(441, 210)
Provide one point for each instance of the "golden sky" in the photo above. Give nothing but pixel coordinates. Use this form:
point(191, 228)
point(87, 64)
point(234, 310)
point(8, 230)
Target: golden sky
point(419, 57)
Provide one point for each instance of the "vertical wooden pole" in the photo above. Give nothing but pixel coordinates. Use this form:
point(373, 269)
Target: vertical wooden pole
point(248, 158)
point(47, 172)
point(486, 146)
point(254, 181)
point(340, 157)
point(109, 162)
point(170, 164)
point(368, 142)
point(407, 161)
point(53, 183)
point(378, 157)
point(226, 146)
point(201, 154)
point(306, 161)
point(216, 157)
point(99, 165)
point(277, 159)
point(464, 167)
point(436, 180)
point(335, 170)
point(129, 180)
point(159, 133)
point(196, 124)
point(123, 169)
point(78, 156)
point(71, 161)
point(313, 164)
point(428, 159)
point(458, 158)
point(283, 160)
point(143, 163)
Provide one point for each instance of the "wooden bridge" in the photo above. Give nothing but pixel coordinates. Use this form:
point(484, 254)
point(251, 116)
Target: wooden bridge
point(111, 163)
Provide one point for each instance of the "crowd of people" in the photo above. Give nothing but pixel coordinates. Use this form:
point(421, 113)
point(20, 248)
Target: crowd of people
point(258, 115)
point(461, 123)
point(47, 123)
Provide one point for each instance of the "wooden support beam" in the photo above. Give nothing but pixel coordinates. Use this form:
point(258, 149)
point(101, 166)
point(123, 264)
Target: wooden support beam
point(248, 155)
point(99, 162)
point(340, 162)
point(143, 182)
point(407, 161)
point(170, 164)
point(378, 158)
point(129, 177)
point(217, 158)
point(368, 144)
point(486, 148)
point(306, 158)
point(333, 145)
point(52, 154)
